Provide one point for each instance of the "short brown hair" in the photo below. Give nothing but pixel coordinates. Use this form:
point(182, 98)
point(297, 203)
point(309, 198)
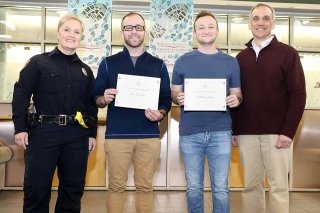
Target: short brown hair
point(131, 14)
point(202, 14)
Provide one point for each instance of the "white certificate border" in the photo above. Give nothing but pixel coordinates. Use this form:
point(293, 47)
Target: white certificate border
point(195, 105)
point(150, 93)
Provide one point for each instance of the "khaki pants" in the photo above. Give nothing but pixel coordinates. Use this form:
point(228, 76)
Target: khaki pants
point(120, 153)
point(260, 158)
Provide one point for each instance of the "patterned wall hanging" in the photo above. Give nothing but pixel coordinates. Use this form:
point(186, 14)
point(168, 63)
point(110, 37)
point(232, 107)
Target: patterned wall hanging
point(96, 15)
point(171, 29)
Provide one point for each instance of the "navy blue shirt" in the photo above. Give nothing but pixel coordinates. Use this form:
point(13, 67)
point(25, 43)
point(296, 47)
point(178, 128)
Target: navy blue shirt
point(58, 84)
point(127, 122)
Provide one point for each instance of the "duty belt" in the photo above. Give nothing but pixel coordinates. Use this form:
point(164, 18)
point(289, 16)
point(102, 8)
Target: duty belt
point(61, 120)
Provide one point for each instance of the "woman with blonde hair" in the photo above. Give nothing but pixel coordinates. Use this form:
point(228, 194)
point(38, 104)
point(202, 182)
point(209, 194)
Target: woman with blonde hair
point(63, 130)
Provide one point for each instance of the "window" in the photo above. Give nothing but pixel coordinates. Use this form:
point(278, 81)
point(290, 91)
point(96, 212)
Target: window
point(20, 23)
point(311, 67)
point(307, 32)
point(13, 56)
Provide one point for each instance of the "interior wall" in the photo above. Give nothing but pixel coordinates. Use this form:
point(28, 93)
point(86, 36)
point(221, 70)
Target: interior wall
point(170, 173)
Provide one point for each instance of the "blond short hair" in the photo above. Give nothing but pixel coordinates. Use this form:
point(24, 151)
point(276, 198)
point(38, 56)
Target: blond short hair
point(69, 17)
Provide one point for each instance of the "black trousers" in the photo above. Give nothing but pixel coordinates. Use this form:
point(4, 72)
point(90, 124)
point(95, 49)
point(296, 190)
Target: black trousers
point(50, 147)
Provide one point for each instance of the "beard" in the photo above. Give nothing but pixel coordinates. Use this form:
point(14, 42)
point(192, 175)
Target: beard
point(138, 41)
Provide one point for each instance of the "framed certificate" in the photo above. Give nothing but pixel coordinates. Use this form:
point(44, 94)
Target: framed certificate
point(205, 95)
point(137, 92)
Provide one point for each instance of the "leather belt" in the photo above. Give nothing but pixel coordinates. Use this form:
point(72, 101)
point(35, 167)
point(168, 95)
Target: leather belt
point(61, 120)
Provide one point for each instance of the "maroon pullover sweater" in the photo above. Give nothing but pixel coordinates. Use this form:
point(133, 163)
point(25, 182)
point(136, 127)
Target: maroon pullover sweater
point(273, 88)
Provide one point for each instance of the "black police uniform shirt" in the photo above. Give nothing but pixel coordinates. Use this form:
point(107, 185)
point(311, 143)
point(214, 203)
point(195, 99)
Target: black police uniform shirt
point(58, 84)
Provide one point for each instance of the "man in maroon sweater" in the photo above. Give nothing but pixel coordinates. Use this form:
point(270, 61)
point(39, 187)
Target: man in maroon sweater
point(274, 96)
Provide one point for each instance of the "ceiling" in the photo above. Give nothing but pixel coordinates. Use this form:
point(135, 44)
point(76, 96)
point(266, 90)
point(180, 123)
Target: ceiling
point(309, 6)
point(292, 1)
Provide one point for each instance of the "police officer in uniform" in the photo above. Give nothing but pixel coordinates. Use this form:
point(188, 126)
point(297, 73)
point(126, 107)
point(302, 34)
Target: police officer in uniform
point(63, 129)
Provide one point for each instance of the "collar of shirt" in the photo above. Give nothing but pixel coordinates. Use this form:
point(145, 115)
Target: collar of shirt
point(127, 53)
point(257, 48)
point(72, 58)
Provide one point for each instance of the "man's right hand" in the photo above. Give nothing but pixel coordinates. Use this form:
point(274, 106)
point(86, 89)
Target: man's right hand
point(235, 140)
point(21, 139)
point(107, 98)
point(109, 95)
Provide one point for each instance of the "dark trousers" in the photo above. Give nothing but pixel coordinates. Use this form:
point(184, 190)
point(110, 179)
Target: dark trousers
point(50, 147)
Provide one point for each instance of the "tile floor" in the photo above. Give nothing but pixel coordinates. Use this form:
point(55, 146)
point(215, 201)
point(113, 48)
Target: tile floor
point(165, 202)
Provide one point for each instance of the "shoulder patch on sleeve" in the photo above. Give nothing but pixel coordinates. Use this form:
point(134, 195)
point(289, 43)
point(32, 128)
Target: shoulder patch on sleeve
point(26, 63)
point(84, 71)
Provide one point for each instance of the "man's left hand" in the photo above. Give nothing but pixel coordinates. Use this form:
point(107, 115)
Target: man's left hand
point(153, 115)
point(283, 142)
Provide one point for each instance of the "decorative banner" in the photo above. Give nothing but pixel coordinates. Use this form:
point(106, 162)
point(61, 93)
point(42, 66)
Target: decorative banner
point(171, 29)
point(96, 16)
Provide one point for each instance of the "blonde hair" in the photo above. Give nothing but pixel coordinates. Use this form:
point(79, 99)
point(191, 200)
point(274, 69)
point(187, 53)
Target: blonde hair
point(69, 17)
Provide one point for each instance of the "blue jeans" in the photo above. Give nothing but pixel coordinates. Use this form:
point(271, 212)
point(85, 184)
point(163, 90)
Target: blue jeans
point(216, 146)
